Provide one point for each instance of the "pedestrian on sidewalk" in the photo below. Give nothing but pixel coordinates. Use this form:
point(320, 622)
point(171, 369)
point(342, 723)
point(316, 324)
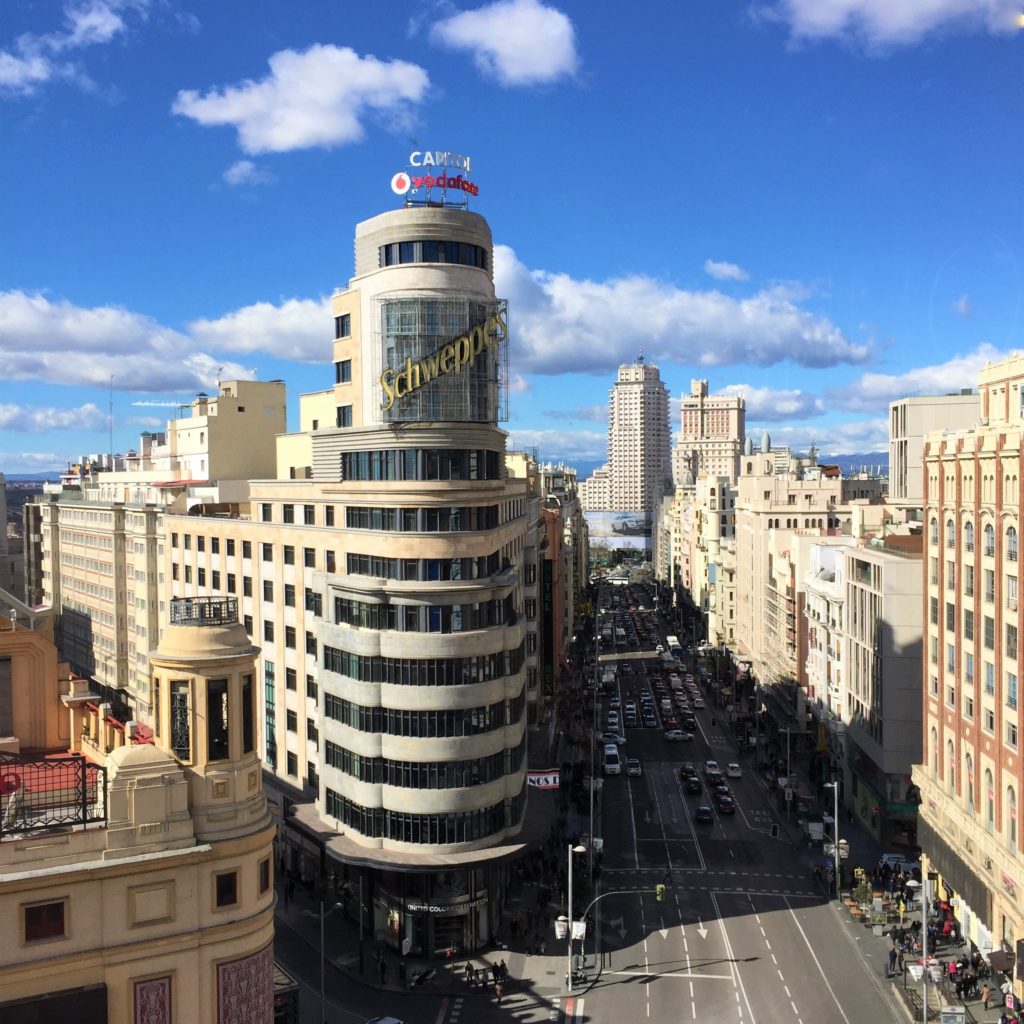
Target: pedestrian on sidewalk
point(499, 990)
point(892, 960)
point(984, 996)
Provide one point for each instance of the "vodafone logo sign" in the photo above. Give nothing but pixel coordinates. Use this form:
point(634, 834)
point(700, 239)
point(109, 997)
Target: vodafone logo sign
point(401, 183)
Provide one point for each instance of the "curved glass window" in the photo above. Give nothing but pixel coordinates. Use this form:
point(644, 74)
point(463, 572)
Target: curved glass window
point(446, 723)
point(423, 464)
point(429, 250)
point(424, 671)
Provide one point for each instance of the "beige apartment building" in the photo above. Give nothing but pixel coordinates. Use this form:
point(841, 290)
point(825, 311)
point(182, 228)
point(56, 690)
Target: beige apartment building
point(971, 776)
point(711, 435)
point(385, 574)
point(149, 896)
point(96, 547)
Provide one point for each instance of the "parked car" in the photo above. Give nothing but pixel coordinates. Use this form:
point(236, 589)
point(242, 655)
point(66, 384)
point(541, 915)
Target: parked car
point(704, 815)
point(612, 737)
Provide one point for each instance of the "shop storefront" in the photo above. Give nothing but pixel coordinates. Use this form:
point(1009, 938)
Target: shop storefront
point(430, 915)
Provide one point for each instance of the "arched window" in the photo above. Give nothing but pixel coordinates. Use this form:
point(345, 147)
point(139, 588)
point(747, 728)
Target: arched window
point(969, 536)
point(950, 767)
point(990, 801)
point(935, 753)
point(990, 540)
point(950, 534)
point(1011, 818)
point(1011, 544)
point(969, 768)
point(934, 531)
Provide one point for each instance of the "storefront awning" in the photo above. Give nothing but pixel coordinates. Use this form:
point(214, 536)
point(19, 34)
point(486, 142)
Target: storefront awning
point(955, 871)
point(1001, 959)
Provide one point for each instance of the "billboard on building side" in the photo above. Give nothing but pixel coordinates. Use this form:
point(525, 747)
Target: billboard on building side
point(620, 529)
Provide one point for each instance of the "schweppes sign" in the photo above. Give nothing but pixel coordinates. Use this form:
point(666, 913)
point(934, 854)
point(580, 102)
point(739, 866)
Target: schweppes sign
point(450, 358)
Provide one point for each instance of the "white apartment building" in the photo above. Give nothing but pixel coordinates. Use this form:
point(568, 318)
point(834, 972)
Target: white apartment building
point(910, 421)
point(710, 439)
point(596, 490)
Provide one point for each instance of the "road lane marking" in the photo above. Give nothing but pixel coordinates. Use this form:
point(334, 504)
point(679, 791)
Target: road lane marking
point(443, 1011)
point(817, 963)
point(691, 976)
point(737, 979)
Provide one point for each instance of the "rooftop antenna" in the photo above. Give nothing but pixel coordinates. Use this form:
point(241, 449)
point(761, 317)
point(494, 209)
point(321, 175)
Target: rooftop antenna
point(111, 415)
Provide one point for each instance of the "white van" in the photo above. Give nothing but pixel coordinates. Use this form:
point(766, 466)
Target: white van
point(612, 764)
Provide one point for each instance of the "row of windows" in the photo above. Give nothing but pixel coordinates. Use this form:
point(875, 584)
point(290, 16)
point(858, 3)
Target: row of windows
point(988, 538)
point(426, 774)
point(430, 251)
point(423, 520)
point(266, 550)
point(423, 464)
point(447, 722)
point(406, 618)
point(424, 671)
point(424, 569)
point(436, 829)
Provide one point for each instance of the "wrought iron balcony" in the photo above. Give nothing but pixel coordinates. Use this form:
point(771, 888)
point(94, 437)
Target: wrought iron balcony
point(204, 611)
point(43, 794)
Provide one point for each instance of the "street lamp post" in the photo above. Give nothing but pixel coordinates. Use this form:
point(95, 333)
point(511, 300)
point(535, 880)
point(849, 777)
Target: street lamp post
point(323, 915)
point(593, 731)
point(923, 885)
point(572, 850)
point(834, 786)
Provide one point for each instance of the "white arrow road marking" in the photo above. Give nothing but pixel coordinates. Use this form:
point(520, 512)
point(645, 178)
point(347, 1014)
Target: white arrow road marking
point(619, 925)
point(702, 931)
point(663, 930)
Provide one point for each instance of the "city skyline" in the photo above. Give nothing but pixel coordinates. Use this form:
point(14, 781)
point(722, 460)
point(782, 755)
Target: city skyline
point(843, 234)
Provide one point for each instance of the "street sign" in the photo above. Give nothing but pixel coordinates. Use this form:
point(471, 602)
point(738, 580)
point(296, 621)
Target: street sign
point(789, 795)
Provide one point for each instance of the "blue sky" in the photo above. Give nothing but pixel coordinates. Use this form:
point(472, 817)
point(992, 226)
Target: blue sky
point(815, 202)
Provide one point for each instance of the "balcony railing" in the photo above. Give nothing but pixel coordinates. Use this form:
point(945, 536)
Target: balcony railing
point(44, 794)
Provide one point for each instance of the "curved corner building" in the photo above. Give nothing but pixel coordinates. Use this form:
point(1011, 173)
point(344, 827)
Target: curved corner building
point(422, 678)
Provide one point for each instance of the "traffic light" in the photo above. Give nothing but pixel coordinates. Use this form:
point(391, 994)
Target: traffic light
point(659, 893)
point(775, 831)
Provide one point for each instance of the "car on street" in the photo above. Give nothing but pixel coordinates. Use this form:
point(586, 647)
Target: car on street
point(626, 668)
point(630, 722)
point(704, 815)
point(688, 768)
point(678, 736)
point(692, 785)
point(733, 770)
point(710, 766)
point(896, 861)
point(714, 779)
point(633, 766)
point(721, 789)
point(688, 722)
point(612, 737)
point(725, 804)
point(650, 722)
point(668, 722)
point(614, 704)
point(698, 702)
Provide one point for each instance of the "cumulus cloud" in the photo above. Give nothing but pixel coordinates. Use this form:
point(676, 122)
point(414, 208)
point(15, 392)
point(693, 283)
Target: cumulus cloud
point(39, 58)
point(33, 462)
point(561, 444)
point(296, 329)
point(150, 422)
point(35, 419)
point(872, 392)
point(245, 172)
point(887, 23)
point(591, 413)
point(60, 343)
point(519, 384)
point(516, 42)
point(314, 97)
point(776, 404)
point(725, 271)
point(963, 306)
point(564, 325)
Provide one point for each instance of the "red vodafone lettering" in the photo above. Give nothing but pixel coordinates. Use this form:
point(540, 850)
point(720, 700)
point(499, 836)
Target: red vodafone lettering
point(441, 181)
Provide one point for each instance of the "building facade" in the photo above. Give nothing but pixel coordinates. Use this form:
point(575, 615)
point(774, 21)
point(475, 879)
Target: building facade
point(971, 776)
point(151, 898)
point(711, 435)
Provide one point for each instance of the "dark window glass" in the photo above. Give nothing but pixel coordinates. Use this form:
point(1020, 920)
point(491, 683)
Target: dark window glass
point(227, 889)
point(247, 714)
point(217, 719)
point(44, 921)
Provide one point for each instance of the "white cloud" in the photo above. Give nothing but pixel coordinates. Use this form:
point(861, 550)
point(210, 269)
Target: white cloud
point(315, 97)
point(517, 42)
point(39, 418)
point(725, 271)
point(565, 444)
point(61, 343)
point(245, 172)
point(519, 384)
point(34, 58)
point(33, 462)
point(150, 422)
point(564, 325)
point(873, 392)
point(886, 23)
point(769, 405)
point(296, 329)
point(963, 306)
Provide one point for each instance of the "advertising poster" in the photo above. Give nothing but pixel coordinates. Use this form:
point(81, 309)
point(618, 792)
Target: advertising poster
point(620, 529)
